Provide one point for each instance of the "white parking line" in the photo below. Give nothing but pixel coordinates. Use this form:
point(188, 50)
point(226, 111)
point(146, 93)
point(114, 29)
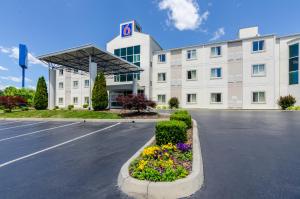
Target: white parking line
point(22, 125)
point(11, 122)
point(25, 134)
point(55, 146)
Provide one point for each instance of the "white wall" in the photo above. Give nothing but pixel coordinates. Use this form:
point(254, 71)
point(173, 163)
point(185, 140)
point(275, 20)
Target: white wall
point(265, 83)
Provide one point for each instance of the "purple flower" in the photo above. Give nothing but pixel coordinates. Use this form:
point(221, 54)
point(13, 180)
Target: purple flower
point(183, 147)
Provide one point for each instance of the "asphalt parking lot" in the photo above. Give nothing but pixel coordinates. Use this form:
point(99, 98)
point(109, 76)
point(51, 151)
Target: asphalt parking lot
point(66, 159)
point(246, 154)
point(249, 154)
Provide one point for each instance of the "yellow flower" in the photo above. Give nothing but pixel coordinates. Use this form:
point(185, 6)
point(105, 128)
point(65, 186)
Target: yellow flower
point(149, 151)
point(166, 154)
point(142, 164)
point(169, 146)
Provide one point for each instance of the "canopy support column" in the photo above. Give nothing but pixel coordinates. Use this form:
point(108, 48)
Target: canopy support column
point(52, 88)
point(134, 86)
point(92, 74)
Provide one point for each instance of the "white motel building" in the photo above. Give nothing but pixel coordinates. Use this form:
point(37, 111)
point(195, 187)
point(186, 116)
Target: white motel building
point(250, 72)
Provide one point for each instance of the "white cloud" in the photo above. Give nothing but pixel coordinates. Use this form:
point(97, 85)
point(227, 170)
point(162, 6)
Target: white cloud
point(3, 68)
point(218, 34)
point(31, 87)
point(14, 53)
point(4, 50)
point(183, 14)
point(15, 79)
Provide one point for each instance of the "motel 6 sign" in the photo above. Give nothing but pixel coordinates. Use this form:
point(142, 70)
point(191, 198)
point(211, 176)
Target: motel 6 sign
point(127, 30)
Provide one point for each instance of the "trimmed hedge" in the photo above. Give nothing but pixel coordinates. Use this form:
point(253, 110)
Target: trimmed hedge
point(187, 119)
point(173, 131)
point(181, 112)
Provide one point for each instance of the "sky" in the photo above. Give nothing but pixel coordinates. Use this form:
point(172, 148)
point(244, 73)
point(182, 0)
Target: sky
point(52, 25)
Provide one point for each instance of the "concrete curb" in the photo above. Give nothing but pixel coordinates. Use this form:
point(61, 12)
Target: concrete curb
point(177, 189)
point(87, 120)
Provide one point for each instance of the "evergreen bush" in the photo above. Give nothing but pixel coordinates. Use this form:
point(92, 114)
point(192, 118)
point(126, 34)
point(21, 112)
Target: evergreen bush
point(99, 94)
point(173, 103)
point(41, 95)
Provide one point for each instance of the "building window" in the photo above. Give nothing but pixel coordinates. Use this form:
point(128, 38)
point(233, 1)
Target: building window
point(215, 51)
point(258, 46)
point(61, 72)
point(130, 54)
point(61, 85)
point(161, 77)
point(216, 97)
point(127, 77)
point(161, 99)
point(216, 73)
point(75, 70)
point(258, 70)
point(60, 100)
point(162, 58)
point(191, 75)
point(258, 97)
point(294, 64)
point(86, 100)
point(75, 100)
point(191, 54)
point(75, 84)
point(86, 83)
point(191, 98)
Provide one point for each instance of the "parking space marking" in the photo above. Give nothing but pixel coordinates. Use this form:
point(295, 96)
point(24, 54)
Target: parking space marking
point(57, 145)
point(12, 127)
point(11, 122)
point(48, 129)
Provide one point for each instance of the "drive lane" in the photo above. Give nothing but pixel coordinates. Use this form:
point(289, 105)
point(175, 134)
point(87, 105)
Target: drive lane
point(249, 154)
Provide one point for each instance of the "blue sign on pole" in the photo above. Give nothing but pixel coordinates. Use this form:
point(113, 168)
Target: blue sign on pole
point(23, 57)
point(126, 30)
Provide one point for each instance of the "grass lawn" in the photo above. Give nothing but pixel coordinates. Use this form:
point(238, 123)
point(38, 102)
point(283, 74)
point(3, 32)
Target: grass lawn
point(84, 114)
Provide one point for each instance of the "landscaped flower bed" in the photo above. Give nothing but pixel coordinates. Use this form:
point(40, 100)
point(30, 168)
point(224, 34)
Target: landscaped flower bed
point(170, 157)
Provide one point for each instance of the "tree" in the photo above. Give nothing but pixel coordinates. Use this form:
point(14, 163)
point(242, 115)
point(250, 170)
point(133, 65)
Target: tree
point(10, 102)
point(41, 95)
point(1, 93)
point(26, 93)
point(135, 102)
point(10, 91)
point(99, 94)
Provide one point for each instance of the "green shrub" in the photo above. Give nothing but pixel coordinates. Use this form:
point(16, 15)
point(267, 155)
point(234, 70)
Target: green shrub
point(99, 94)
point(170, 132)
point(187, 119)
point(7, 110)
point(70, 107)
point(85, 105)
point(286, 101)
point(56, 107)
point(181, 112)
point(173, 103)
point(294, 108)
point(41, 95)
point(24, 108)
